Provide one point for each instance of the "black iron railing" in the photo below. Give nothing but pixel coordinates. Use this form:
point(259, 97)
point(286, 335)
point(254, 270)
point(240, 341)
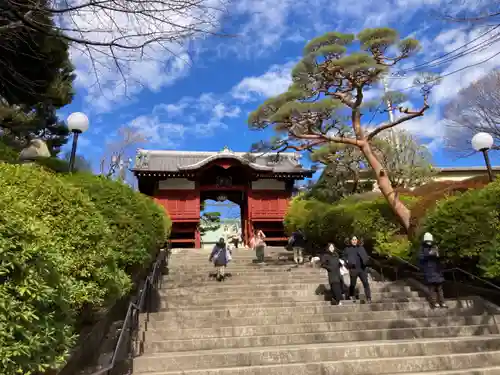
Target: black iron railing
point(396, 268)
point(142, 304)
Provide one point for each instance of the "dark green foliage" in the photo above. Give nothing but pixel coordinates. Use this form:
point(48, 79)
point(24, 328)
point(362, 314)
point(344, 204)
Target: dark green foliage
point(7, 153)
point(36, 78)
point(139, 225)
point(67, 246)
point(323, 223)
point(466, 228)
point(209, 222)
point(35, 67)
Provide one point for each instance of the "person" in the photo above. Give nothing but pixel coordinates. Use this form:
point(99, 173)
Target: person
point(298, 242)
point(357, 260)
point(259, 245)
point(433, 271)
point(331, 262)
point(220, 256)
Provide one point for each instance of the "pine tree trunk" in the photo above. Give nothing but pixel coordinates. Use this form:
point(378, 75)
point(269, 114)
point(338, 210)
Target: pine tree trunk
point(384, 183)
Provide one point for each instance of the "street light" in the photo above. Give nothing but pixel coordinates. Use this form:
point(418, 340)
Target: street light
point(484, 142)
point(77, 122)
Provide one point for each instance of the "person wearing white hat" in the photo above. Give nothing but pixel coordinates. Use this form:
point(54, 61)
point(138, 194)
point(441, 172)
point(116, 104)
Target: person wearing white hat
point(433, 271)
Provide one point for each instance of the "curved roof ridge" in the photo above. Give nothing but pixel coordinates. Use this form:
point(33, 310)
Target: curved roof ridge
point(224, 155)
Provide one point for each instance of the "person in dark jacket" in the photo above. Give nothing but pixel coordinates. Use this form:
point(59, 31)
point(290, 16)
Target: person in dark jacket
point(298, 243)
point(357, 260)
point(433, 271)
point(330, 261)
point(220, 257)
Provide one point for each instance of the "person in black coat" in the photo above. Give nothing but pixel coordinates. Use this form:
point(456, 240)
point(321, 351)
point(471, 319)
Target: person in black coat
point(330, 261)
point(357, 260)
point(433, 270)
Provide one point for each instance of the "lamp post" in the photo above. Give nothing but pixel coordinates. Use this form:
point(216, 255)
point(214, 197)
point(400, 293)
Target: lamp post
point(484, 142)
point(77, 123)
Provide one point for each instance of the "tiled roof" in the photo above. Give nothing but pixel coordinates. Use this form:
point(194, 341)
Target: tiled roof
point(176, 161)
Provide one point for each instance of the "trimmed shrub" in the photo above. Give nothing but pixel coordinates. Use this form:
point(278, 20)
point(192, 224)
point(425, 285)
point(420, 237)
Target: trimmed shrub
point(56, 258)
point(466, 227)
point(139, 225)
point(323, 223)
point(68, 245)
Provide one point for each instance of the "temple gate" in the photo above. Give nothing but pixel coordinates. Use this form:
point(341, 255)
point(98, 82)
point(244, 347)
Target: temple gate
point(261, 184)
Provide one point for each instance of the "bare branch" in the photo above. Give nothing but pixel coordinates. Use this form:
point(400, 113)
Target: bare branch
point(409, 116)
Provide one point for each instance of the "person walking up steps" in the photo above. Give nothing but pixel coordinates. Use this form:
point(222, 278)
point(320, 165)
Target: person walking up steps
point(357, 260)
point(433, 271)
point(331, 262)
point(259, 245)
point(220, 257)
point(298, 243)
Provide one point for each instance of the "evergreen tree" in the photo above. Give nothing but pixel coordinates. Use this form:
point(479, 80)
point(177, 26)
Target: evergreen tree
point(333, 77)
point(36, 78)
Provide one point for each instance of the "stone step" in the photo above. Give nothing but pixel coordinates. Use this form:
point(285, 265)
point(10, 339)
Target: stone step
point(232, 279)
point(157, 332)
point(468, 371)
point(257, 295)
point(248, 271)
point(220, 358)
point(272, 301)
point(163, 320)
point(387, 366)
point(204, 280)
point(266, 288)
point(155, 343)
point(240, 311)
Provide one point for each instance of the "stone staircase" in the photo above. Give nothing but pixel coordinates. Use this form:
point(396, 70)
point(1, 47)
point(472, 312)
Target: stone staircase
point(270, 320)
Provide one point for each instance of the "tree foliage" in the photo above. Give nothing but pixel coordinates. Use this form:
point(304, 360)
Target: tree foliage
point(19, 125)
point(36, 78)
point(68, 244)
point(209, 221)
point(407, 162)
point(329, 84)
point(341, 174)
point(475, 109)
point(119, 31)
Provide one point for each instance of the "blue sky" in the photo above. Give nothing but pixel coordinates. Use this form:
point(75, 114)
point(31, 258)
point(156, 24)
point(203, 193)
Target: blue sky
point(200, 98)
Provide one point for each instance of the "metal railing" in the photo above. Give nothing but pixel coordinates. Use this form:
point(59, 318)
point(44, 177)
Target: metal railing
point(141, 304)
point(404, 268)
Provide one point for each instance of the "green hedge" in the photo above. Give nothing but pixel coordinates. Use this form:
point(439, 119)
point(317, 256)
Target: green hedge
point(466, 228)
point(366, 218)
point(140, 227)
point(65, 247)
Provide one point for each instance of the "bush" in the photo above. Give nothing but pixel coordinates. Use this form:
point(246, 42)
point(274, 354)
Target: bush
point(139, 225)
point(66, 246)
point(466, 228)
point(323, 223)
point(7, 153)
point(430, 194)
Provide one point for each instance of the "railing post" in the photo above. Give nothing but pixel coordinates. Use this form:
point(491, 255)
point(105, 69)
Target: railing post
point(455, 284)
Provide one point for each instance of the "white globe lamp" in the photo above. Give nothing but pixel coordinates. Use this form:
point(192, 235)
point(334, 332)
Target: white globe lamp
point(483, 142)
point(77, 123)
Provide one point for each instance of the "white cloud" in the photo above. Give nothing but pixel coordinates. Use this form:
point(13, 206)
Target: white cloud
point(169, 124)
point(273, 82)
point(150, 45)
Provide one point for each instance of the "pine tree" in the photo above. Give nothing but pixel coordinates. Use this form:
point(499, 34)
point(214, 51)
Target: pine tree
point(329, 84)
